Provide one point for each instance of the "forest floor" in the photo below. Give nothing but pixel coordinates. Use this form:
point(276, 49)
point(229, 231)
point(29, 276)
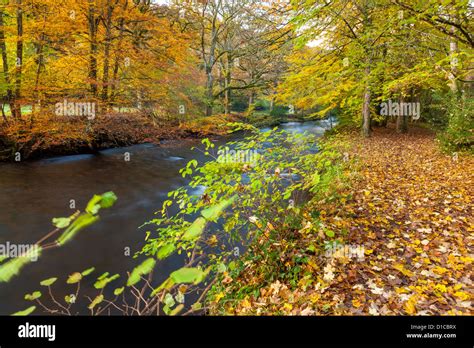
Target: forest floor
point(411, 214)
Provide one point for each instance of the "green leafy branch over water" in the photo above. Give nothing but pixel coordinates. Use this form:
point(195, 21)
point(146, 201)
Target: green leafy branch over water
point(70, 226)
point(231, 203)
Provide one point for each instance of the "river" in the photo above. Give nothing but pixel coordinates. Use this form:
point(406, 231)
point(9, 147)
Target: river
point(32, 193)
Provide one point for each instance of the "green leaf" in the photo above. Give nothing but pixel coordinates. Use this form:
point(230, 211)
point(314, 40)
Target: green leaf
point(88, 271)
point(118, 291)
point(188, 275)
point(26, 312)
point(69, 298)
point(96, 301)
point(13, 267)
point(108, 199)
point(169, 300)
point(167, 310)
point(221, 268)
point(105, 200)
point(74, 278)
point(192, 163)
point(61, 222)
point(33, 296)
point(165, 251)
point(167, 284)
point(195, 230)
point(179, 297)
point(81, 222)
point(178, 309)
point(143, 269)
point(232, 265)
point(103, 275)
point(329, 233)
point(213, 213)
point(48, 282)
point(196, 306)
point(101, 283)
point(93, 206)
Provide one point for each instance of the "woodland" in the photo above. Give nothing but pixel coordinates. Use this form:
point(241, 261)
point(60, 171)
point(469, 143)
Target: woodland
point(372, 215)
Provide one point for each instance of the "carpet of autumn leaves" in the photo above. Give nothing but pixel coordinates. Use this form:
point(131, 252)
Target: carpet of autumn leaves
point(411, 210)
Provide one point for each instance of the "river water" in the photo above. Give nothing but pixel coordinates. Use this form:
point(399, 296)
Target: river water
point(32, 193)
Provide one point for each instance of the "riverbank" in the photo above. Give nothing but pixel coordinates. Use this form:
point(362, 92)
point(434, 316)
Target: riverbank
point(393, 242)
point(60, 136)
point(141, 185)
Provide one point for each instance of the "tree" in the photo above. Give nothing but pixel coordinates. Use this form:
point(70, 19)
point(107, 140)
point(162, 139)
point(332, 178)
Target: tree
point(237, 42)
point(354, 54)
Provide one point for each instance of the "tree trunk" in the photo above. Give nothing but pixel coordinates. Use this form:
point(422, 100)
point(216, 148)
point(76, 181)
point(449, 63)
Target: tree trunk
point(39, 62)
point(3, 48)
point(211, 61)
point(209, 88)
point(402, 120)
point(227, 102)
point(118, 55)
point(227, 81)
point(366, 104)
point(366, 113)
point(366, 130)
point(19, 59)
point(402, 126)
point(3, 113)
point(453, 48)
point(139, 100)
point(108, 38)
point(93, 47)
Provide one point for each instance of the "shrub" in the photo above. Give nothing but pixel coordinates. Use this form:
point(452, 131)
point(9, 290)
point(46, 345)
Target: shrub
point(458, 134)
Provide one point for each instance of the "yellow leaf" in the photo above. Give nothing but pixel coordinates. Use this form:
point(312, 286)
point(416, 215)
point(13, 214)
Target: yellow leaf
point(410, 306)
point(440, 289)
point(356, 303)
point(403, 270)
point(314, 297)
point(439, 270)
point(462, 295)
point(401, 290)
point(246, 303)
point(219, 296)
